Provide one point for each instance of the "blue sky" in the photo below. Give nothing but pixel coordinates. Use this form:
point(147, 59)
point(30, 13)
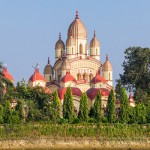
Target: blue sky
point(29, 30)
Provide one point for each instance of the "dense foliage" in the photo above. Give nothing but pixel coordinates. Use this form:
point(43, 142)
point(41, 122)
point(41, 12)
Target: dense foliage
point(136, 75)
point(103, 132)
point(111, 108)
point(124, 106)
point(97, 107)
point(83, 108)
point(68, 108)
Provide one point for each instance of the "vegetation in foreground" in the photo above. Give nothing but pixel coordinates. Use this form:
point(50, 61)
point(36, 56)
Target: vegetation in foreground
point(122, 132)
point(38, 114)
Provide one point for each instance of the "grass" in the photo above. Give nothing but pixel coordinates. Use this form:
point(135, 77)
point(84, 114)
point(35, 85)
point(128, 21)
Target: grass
point(117, 132)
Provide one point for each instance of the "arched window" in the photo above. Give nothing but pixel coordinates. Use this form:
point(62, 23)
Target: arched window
point(85, 76)
point(61, 53)
point(81, 49)
point(72, 51)
point(50, 78)
point(90, 76)
point(96, 51)
point(79, 76)
point(109, 75)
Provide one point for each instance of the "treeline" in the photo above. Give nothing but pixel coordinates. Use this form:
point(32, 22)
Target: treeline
point(23, 104)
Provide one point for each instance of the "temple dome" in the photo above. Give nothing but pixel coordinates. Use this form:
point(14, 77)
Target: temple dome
point(75, 92)
point(65, 64)
point(98, 78)
point(77, 28)
point(37, 76)
point(70, 41)
point(60, 44)
point(107, 65)
point(68, 77)
point(48, 68)
point(7, 75)
point(94, 42)
point(92, 92)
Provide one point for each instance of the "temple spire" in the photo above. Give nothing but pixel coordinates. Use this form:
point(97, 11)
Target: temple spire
point(106, 57)
point(48, 61)
point(94, 33)
point(59, 36)
point(77, 16)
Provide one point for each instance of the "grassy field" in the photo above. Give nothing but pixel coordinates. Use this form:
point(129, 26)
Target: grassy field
point(117, 132)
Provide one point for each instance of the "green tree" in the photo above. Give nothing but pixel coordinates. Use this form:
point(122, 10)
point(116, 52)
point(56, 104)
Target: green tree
point(83, 109)
point(20, 109)
point(131, 115)
point(97, 107)
point(136, 69)
point(111, 108)
point(1, 114)
point(68, 107)
point(124, 106)
point(140, 113)
point(7, 112)
point(55, 107)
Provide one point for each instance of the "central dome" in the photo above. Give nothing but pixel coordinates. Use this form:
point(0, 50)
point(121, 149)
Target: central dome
point(77, 28)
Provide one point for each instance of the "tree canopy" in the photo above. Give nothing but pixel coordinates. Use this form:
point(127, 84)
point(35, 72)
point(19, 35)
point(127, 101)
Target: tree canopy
point(136, 69)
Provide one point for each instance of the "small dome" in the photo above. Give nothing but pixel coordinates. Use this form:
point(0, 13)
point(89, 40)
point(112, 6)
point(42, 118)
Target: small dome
point(60, 44)
point(92, 92)
point(65, 64)
point(68, 77)
point(75, 91)
point(7, 75)
point(37, 77)
point(98, 78)
point(94, 42)
point(107, 65)
point(48, 68)
point(70, 41)
point(78, 28)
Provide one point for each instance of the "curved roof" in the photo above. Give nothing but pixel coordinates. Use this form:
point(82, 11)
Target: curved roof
point(92, 92)
point(7, 75)
point(77, 28)
point(37, 76)
point(48, 68)
point(94, 42)
point(65, 64)
point(107, 65)
point(68, 77)
point(70, 41)
point(98, 78)
point(75, 91)
point(60, 44)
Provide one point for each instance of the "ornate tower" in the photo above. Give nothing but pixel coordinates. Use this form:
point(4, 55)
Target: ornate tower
point(59, 48)
point(95, 48)
point(79, 34)
point(65, 66)
point(107, 71)
point(48, 72)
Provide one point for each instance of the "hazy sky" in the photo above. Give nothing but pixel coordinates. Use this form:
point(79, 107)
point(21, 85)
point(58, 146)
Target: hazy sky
point(29, 30)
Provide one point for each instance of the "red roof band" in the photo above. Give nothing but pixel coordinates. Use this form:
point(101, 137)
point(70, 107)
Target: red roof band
point(92, 92)
point(37, 76)
point(75, 91)
point(7, 75)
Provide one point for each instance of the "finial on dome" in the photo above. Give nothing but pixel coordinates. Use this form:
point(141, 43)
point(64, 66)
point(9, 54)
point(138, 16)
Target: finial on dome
point(59, 36)
point(77, 16)
point(48, 61)
point(94, 33)
point(106, 57)
point(4, 66)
